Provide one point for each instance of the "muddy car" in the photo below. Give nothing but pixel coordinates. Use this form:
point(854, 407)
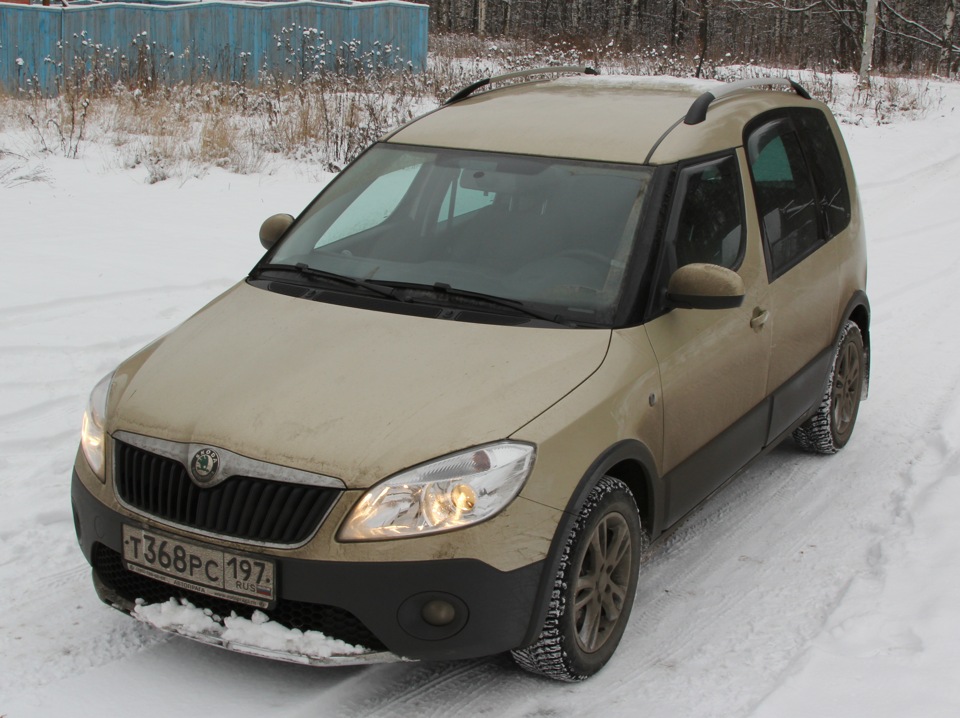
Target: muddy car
point(510, 345)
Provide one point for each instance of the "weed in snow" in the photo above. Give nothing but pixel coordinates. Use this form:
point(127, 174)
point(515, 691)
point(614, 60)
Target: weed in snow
point(325, 117)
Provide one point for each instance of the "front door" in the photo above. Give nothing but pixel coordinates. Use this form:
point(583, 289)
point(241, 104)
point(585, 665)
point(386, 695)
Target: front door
point(713, 363)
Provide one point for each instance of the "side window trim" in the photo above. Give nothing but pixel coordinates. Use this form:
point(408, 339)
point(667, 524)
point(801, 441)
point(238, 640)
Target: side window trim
point(664, 265)
point(684, 171)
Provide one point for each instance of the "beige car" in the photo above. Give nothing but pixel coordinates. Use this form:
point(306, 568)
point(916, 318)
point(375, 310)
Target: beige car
point(512, 343)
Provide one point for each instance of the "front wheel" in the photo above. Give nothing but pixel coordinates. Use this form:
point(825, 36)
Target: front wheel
point(830, 428)
point(594, 587)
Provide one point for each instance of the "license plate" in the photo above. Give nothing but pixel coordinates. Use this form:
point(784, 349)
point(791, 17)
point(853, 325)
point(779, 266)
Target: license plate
point(202, 569)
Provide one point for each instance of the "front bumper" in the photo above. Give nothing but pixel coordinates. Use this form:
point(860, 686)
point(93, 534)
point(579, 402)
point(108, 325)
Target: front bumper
point(218, 631)
point(377, 605)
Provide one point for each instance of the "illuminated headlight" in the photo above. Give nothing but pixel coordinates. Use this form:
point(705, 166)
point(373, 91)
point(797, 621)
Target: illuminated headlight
point(445, 494)
point(92, 431)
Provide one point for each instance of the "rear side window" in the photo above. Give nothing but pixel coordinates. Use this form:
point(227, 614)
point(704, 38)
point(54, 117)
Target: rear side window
point(822, 154)
point(706, 223)
point(785, 195)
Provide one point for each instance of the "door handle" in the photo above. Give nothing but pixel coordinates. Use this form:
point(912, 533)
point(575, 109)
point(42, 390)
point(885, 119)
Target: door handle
point(760, 317)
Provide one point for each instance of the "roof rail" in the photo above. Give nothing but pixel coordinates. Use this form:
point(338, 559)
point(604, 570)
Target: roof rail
point(698, 110)
point(473, 87)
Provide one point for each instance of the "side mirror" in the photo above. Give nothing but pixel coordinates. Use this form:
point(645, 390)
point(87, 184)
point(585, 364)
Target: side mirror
point(273, 228)
point(705, 286)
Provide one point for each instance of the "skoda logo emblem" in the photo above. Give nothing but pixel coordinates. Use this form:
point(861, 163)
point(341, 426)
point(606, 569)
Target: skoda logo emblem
point(204, 465)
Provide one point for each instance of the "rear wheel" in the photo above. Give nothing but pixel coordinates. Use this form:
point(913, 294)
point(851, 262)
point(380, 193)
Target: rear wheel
point(593, 590)
point(830, 428)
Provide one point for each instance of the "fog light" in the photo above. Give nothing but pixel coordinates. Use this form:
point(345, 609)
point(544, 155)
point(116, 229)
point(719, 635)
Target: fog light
point(438, 613)
point(433, 615)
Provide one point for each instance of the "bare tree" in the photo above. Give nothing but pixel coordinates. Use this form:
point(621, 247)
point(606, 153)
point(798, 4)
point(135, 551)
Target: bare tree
point(703, 33)
point(946, 44)
point(481, 17)
point(866, 52)
point(856, 35)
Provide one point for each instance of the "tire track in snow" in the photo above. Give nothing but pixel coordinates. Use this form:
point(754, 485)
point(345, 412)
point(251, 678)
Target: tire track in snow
point(683, 644)
point(52, 384)
point(427, 689)
point(885, 633)
point(925, 171)
point(878, 238)
point(58, 308)
point(39, 411)
point(78, 348)
point(27, 445)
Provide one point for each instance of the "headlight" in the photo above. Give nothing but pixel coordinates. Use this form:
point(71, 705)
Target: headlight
point(92, 432)
point(445, 494)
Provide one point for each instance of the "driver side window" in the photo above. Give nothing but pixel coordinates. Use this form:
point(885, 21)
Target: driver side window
point(706, 223)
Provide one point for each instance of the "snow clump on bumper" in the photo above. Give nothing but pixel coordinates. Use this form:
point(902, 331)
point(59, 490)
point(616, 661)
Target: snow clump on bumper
point(257, 635)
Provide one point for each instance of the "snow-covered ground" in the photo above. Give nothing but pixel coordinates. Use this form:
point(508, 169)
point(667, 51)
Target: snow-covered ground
point(810, 586)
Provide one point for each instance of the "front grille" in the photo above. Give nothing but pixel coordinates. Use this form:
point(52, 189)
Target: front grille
point(241, 507)
point(331, 621)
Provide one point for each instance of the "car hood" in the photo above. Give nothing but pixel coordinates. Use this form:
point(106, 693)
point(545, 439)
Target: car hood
point(345, 392)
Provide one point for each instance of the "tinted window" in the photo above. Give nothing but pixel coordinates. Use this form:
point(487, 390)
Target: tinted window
point(554, 234)
point(707, 217)
point(826, 166)
point(784, 193)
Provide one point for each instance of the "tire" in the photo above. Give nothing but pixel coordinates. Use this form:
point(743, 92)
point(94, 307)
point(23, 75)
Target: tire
point(593, 590)
point(830, 428)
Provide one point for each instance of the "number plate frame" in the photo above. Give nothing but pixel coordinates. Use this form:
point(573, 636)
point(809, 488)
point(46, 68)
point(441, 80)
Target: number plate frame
point(200, 568)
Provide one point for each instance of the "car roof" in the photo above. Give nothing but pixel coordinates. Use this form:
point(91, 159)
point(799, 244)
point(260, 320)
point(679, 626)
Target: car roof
point(613, 118)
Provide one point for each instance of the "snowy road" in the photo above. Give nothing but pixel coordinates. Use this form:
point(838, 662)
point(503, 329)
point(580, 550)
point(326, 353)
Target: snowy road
point(808, 586)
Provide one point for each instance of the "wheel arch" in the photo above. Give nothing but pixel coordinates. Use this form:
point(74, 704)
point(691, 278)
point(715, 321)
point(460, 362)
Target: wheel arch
point(858, 312)
point(631, 462)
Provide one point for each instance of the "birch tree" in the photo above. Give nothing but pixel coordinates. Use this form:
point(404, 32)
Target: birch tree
point(866, 52)
point(481, 17)
point(946, 44)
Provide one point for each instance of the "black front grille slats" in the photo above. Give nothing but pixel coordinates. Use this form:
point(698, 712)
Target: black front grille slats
point(242, 507)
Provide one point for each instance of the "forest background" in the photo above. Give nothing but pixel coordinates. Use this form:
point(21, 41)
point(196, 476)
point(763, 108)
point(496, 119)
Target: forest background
point(898, 36)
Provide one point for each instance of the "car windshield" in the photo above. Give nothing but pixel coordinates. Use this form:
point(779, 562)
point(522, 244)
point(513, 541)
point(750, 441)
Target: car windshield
point(549, 235)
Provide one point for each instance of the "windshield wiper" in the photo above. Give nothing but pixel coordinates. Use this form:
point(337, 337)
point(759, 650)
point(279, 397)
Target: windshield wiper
point(443, 289)
point(306, 270)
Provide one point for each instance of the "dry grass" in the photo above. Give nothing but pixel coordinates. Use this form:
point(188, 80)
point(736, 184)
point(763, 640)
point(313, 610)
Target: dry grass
point(17, 169)
point(326, 121)
point(326, 118)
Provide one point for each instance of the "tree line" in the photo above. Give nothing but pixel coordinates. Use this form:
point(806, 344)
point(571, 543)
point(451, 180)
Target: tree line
point(899, 36)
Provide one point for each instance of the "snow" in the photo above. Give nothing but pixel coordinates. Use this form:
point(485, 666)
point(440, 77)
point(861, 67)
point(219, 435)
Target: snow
point(664, 83)
point(808, 586)
point(257, 635)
